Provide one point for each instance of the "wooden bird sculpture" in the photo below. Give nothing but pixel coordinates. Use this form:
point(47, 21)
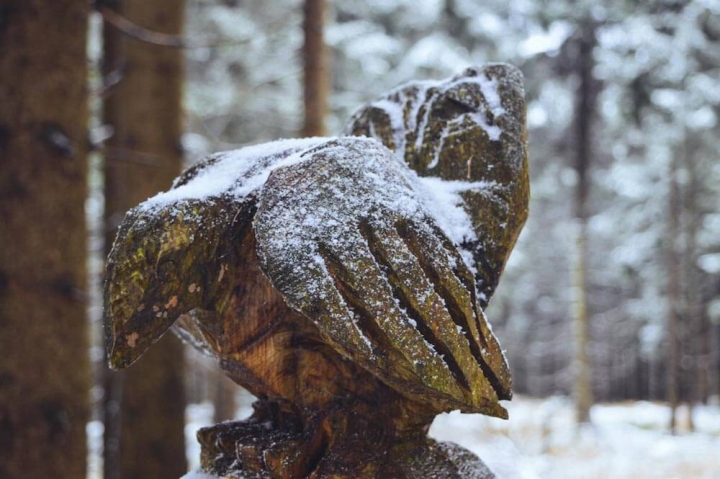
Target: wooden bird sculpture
point(341, 281)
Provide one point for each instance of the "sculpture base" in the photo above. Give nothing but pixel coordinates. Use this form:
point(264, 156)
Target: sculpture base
point(272, 444)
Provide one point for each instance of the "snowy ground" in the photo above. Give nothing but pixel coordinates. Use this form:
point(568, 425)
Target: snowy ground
point(626, 441)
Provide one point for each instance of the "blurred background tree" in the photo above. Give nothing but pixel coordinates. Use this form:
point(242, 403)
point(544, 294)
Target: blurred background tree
point(144, 407)
point(45, 367)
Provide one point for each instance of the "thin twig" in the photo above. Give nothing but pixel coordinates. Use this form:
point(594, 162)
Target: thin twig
point(156, 38)
point(110, 81)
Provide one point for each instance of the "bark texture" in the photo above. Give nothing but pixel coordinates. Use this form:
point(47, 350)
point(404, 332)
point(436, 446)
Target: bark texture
point(145, 409)
point(316, 72)
point(44, 372)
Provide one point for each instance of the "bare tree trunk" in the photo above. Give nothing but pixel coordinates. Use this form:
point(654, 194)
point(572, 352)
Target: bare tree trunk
point(582, 385)
point(458, 25)
point(44, 370)
point(225, 403)
point(704, 357)
point(692, 294)
point(146, 438)
point(714, 362)
point(673, 292)
point(585, 109)
point(316, 72)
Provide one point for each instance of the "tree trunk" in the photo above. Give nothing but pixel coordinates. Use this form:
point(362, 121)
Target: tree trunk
point(704, 360)
point(456, 23)
point(585, 109)
point(714, 362)
point(673, 293)
point(44, 371)
point(693, 286)
point(316, 73)
point(225, 403)
point(143, 157)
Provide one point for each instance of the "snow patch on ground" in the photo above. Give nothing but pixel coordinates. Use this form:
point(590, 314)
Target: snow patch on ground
point(625, 441)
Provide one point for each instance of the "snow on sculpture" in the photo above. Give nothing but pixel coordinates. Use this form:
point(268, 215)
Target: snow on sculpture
point(340, 280)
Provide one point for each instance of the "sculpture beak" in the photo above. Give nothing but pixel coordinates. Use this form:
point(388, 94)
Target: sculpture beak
point(144, 287)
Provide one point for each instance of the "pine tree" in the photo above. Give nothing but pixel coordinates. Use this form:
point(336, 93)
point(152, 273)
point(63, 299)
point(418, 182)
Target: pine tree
point(585, 110)
point(316, 81)
point(44, 372)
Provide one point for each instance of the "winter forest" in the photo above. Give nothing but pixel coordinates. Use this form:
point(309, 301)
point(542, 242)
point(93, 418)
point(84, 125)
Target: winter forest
point(608, 310)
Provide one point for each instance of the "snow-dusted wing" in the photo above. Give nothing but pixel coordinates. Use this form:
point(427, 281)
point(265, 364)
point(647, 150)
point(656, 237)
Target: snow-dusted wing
point(468, 128)
point(173, 252)
point(345, 238)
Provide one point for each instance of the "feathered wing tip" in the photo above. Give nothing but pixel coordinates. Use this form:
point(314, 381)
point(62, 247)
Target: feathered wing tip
point(165, 262)
point(344, 238)
point(175, 251)
point(469, 128)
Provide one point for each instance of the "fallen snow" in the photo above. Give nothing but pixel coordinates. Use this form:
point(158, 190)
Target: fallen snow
point(625, 441)
point(442, 200)
point(539, 441)
point(488, 88)
point(236, 172)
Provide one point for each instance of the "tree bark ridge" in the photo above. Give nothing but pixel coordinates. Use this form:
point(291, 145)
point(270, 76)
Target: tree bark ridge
point(44, 372)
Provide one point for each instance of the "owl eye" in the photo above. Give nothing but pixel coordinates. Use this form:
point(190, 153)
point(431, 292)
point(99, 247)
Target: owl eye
point(460, 107)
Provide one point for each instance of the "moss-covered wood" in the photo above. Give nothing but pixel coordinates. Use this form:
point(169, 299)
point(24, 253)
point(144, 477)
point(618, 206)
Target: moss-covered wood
point(330, 293)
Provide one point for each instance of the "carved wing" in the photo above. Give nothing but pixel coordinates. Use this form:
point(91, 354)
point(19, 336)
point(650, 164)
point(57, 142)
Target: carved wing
point(345, 237)
point(469, 128)
point(162, 265)
point(171, 250)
